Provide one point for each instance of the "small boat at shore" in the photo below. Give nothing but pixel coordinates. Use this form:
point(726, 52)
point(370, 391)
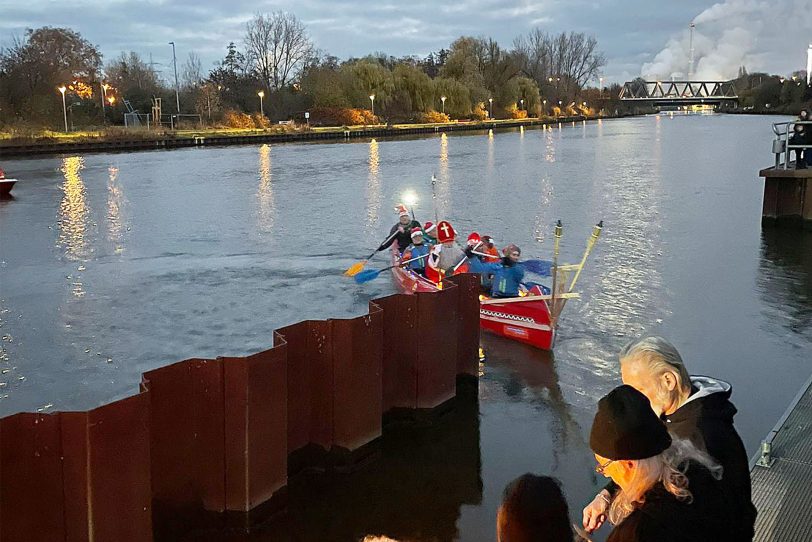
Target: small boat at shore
point(530, 318)
point(6, 185)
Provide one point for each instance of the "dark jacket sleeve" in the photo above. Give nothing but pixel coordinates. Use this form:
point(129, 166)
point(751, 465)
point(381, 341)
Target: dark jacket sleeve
point(391, 239)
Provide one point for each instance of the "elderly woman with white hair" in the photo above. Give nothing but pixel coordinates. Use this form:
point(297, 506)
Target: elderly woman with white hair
point(694, 408)
point(668, 489)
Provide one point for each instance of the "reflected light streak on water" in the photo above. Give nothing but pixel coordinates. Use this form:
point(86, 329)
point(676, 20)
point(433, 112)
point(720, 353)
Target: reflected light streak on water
point(442, 186)
point(373, 191)
point(73, 211)
point(265, 193)
point(115, 203)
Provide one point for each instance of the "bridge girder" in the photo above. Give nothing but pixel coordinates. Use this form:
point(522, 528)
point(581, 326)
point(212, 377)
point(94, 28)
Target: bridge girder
point(679, 92)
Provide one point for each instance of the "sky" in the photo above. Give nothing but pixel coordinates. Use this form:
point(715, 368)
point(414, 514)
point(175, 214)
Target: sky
point(638, 37)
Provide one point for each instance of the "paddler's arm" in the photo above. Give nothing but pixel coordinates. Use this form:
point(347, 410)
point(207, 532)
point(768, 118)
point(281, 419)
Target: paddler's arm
point(391, 239)
point(478, 266)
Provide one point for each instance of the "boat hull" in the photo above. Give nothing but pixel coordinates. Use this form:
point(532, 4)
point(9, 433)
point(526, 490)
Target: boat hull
point(526, 321)
point(5, 187)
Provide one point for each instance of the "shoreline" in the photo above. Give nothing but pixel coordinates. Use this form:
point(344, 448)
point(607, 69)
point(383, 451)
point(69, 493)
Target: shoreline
point(198, 138)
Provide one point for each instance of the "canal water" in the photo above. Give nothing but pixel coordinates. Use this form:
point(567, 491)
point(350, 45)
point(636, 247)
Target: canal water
point(114, 264)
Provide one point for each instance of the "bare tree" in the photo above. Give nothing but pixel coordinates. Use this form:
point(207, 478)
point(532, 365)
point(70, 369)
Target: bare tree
point(191, 74)
point(278, 47)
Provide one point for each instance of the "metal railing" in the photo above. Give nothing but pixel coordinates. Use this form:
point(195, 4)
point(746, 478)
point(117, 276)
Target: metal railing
point(781, 144)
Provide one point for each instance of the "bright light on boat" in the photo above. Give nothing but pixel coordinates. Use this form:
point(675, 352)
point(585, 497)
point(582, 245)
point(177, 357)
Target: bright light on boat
point(410, 199)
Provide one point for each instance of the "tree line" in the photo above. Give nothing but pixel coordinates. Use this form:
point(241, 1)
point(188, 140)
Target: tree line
point(475, 77)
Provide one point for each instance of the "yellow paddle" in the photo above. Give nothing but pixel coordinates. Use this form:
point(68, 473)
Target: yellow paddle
point(356, 268)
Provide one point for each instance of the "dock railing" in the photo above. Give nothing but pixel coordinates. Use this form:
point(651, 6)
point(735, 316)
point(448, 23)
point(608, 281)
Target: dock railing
point(764, 457)
point(781, 144)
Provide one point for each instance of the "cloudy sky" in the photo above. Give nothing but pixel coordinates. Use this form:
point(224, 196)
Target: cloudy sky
point(632, 33)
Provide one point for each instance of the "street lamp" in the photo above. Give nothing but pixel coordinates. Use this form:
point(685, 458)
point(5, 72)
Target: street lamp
point(62, 89)
point(490, 100)
point(175, 64)
point(104, 87)
point(261, 95)
point(372, 99)
point(521, 103)
point(442, 99)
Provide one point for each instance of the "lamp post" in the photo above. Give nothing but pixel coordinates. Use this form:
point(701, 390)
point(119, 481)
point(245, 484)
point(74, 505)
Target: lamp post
point(544, 106)
point(175, 65)
point(104, 87)
point(490, 112)
point(62, 89)
point(442, 99)
point(372, 99)
point(261, 95)
point(521, 103)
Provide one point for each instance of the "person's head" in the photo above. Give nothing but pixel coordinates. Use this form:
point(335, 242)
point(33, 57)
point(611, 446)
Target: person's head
point(417, 236)
point(488, 240)
point(804, 114)
point(533, 509)
point(633, 447)
point(473, 240)
point(403, 214)
point(798, 128)
point(445, 233)
point(512, 252)
point(430, 228)
point(653, 367)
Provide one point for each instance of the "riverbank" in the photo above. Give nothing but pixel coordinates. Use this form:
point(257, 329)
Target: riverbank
point(57, 143)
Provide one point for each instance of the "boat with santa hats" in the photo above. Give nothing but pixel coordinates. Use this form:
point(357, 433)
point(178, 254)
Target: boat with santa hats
point(530, 318)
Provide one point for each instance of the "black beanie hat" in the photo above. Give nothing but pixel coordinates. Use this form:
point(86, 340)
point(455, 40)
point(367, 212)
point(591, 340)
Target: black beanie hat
point(625, 427)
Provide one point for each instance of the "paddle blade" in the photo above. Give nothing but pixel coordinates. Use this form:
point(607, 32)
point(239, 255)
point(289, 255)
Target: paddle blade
point(366, 276)
point(539, 267)
point(355, 268)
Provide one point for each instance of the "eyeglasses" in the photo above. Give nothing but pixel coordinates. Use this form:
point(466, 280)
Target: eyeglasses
point(601, 469)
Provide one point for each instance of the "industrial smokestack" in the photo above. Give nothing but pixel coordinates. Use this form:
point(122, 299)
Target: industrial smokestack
point(809, 65)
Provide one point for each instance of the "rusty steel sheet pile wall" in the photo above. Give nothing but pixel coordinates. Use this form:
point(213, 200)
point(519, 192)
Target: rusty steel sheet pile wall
point(77, 475)
point(219, 435)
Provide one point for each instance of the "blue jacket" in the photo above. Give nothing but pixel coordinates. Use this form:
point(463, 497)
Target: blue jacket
point(418, 250)
point(506, 279)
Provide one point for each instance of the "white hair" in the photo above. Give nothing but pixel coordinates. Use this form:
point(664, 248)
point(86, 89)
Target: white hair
point(669, 467)
point(659, 355)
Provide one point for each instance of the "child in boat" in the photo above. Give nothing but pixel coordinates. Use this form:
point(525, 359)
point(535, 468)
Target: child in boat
point(490, 249)
point(507, 274)
point(430, 233)
point(402, 231)
point(446, 255)
point(418, 249)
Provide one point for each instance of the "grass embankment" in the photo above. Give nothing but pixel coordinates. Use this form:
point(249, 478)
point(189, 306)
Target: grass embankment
point(111, 134)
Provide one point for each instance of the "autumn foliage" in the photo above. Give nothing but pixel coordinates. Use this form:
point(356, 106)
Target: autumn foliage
point(341, 116)
point(432, 117)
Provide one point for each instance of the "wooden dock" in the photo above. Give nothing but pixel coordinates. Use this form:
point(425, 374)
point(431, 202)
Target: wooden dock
point(782, 475)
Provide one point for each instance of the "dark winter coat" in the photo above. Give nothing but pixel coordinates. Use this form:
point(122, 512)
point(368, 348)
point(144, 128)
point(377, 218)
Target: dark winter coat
point(664, 518)
point(706, 419)
point(402, 234)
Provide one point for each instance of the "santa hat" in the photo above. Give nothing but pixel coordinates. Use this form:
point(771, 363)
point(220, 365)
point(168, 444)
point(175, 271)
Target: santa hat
point(474, 239)
point(445, 232)
point(429, 227)
point(416, 232)
point(401, 210)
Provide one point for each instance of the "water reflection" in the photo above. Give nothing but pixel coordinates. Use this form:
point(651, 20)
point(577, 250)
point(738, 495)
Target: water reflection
point(443, 185)
point(413, 491)
point(115, 203)
point(785, 280)
point(265, 194)
point(73, 211)
point(373, 191)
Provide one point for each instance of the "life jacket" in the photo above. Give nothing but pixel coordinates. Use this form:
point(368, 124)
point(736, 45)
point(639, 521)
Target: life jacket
point(414, 251)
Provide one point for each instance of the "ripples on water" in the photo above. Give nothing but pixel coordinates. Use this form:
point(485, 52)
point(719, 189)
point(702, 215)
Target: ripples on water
point(113, 264)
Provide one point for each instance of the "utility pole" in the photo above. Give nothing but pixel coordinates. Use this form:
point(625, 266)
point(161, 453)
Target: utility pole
point(175, 65)
point(691, 57)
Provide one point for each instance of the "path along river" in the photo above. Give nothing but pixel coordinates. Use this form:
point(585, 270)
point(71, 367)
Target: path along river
point(113, 264)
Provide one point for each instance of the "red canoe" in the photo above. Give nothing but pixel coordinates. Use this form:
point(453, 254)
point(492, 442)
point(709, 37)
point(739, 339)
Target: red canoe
point(522, 319)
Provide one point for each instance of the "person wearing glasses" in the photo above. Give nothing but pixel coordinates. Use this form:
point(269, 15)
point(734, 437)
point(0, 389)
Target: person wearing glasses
point(696, 408)
point(669, 490)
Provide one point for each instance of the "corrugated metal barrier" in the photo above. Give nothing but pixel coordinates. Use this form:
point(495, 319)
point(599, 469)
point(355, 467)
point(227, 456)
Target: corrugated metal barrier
point(222, 435)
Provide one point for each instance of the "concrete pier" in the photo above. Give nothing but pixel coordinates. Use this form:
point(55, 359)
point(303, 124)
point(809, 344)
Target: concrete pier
point(787, 197)
point(782, 475)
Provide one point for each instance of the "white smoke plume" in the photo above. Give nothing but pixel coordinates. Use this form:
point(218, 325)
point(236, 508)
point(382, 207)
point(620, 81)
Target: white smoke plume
point(762, 36)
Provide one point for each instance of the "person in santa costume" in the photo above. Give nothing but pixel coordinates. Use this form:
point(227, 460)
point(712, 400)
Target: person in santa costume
point(418, 249)
point(430, 233)
point(445, 257)
point(402, 231)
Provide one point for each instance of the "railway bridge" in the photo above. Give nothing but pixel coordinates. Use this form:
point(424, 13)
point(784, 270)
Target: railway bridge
point(676, 93)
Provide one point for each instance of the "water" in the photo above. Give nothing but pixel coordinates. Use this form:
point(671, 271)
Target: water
point(113, 264)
